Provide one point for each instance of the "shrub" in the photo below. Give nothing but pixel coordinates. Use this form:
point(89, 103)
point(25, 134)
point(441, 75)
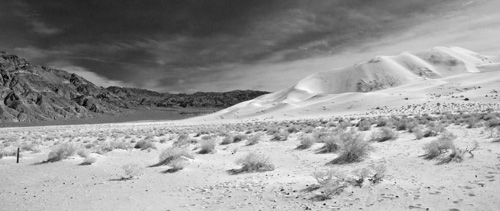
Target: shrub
point(493, 122)
point(145, 144)
point(402, 124)
point(364, 125)
point(458, 155)
point(437, 147)
point(61, 152)
point(207, 146)
point(202, 132)
point(353, 148)
point(178, 164)
point(472, 122)
point(292, 129)
point(331, 182)
point(384, 134)
point(163, 140)
point(254, 162)
point(343, 124)
point(30, 147)
point(305, 142)
point(380, 171)
point(361, 175)
point(254, 139)
point(124, 145)
point(308, 129)
point(183, 140)
point(172, 153)
point(239, 137)
point(331, 144)
point(82, 153)
point(434, 129)
point(132, 170)
point(320, 135)
point(228, 139)
point(89, 161)
point(281, 136)
point(418, 132)
point(381, 122)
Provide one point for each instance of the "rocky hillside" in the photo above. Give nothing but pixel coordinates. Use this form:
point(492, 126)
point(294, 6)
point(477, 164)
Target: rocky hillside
point(142, 97)
point(37, 93)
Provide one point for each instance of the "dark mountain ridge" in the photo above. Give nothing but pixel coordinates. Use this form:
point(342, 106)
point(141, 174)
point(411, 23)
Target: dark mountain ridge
point(31, 93)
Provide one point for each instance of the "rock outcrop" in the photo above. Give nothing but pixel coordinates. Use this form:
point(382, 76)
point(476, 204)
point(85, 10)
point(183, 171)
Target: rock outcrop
point(36, 93)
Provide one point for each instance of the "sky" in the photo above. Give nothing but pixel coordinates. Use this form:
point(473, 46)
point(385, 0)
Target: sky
point(185, 46)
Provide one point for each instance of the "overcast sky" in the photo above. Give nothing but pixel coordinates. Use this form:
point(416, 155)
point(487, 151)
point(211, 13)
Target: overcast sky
point(222, 45)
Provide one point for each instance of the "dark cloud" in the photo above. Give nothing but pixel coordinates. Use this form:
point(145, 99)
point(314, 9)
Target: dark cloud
point(164, 44)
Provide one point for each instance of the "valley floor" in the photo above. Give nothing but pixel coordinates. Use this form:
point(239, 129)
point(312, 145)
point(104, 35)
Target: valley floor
point(410, 183)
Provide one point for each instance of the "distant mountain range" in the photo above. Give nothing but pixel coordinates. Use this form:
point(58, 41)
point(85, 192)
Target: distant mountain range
point(36, 93)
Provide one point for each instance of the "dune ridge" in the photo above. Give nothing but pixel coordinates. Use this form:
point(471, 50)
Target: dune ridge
point(366, 80)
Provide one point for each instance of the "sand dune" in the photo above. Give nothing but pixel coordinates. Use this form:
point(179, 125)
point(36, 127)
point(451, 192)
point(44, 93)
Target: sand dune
point(382, 80)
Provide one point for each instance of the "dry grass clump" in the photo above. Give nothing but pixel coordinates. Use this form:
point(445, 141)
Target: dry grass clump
point(228, 139)
point(207, 146)
point(177, 165)
point(379, 172)
point(384, 134)
point(418, 132)
point(434, 129)
point(319, 135)
point(88, 160)
point(108, 146)
point(352, 149)
point(254, 139)
point(381, 122)
point(132, 170)
point(330, 182)
point(184, 140)
point(9, 152)
point(33, 147)
point(445, 150)
point(306, 141)
point(331, 143)
point(116, 144)
point(293, 129)
point(145, 144)
point(458, 155)
point(173, 153)
point(82, 152)
point(239, 137)
point(364, 125)
point(61, 152)
point(437, 147)
point(254, 162)
point(373, 174)
point(280, 136)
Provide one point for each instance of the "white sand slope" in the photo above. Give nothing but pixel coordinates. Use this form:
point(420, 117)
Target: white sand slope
point(382, 80)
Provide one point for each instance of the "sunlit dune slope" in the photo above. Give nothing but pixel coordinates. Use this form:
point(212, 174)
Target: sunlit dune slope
point(369, 81)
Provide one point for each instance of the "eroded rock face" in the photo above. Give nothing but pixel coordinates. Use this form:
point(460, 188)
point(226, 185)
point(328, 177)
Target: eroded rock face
point(33, 93)
point(37, 93)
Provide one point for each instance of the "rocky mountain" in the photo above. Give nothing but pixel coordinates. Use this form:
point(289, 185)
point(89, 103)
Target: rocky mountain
point(37, 93)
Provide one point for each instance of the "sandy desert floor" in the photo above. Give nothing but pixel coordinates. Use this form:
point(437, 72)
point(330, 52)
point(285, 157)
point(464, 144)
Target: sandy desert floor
point(410, 183)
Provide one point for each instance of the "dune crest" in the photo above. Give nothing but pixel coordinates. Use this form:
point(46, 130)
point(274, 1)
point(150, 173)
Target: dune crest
point(377, 74)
